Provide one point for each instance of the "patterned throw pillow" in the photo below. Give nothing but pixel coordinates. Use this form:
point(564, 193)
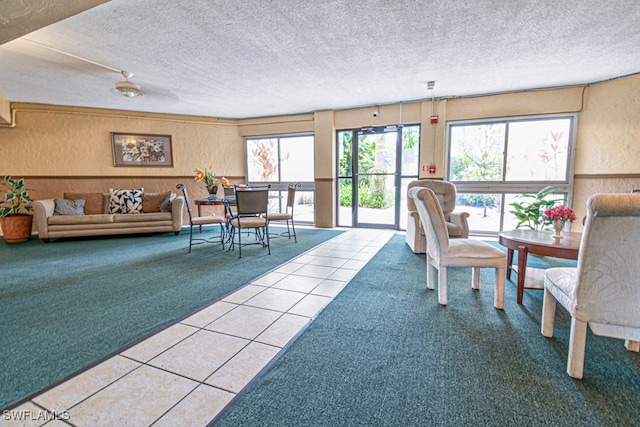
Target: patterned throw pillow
point(125, 201)
point(69, 207)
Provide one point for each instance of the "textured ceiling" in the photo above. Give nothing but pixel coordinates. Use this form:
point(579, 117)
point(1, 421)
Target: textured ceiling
point(253, 58)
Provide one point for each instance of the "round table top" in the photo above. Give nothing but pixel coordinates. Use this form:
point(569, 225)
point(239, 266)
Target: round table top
point(542, 242)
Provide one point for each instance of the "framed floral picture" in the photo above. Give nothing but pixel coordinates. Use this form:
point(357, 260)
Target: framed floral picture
point(132, 149)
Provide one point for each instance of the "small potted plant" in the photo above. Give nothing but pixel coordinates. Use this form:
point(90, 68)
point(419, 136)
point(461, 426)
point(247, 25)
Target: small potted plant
point(209, 178)
point(530, 209)
point(14, 211)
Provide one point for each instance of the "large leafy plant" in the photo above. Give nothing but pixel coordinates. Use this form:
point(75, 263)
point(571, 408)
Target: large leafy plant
point(529, 209)
point(16, 198)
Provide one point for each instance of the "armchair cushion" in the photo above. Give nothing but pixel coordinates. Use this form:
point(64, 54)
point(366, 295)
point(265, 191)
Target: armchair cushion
point(456, 222)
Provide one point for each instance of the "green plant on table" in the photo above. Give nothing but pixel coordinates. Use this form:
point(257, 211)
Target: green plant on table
point(16, 199)
point(530, 209)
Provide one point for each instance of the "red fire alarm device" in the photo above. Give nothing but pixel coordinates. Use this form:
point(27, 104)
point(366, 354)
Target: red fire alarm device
point(434, 119)
point(432, 168)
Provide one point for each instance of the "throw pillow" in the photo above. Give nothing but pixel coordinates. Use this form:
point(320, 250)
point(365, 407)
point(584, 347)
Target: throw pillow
point(94, 202)
point(125, 201)
point(152, 202)
point(69, 207)
point(165, 206)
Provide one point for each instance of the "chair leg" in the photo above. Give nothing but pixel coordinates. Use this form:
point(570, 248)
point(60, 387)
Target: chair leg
point(431, 275)
point(222, 235)
point(475, 278)
point(190, 237)
point(632, 345)
point(498, 299)
point(240, 243)
point(442, 285)
point(577, 344)
point(548, 313)
point(293, 227)
point(266, 233)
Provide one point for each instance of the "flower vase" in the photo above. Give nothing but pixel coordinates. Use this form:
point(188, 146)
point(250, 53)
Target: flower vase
point(558, 226)
point(212, 189)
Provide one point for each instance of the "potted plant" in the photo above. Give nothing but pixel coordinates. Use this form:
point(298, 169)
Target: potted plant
point(209, 178)
point(14, 211)
point(530, 210)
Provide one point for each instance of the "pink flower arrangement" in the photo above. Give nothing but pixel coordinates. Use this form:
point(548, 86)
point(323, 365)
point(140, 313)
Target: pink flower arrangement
point(560, 213)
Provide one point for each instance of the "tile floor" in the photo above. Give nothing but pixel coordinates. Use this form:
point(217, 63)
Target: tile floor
point(188, 373)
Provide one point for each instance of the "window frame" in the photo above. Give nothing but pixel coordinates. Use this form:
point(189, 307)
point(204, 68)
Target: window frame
point(279, 186)
point(503, 187)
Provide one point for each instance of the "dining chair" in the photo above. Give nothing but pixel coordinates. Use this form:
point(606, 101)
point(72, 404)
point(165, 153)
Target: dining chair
point(602, 291)
point(443, 252)
point(287, 215)
point(199, 221)
point(252, 212)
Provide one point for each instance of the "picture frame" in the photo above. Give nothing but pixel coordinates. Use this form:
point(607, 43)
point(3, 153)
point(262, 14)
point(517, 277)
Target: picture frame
point(136, 149)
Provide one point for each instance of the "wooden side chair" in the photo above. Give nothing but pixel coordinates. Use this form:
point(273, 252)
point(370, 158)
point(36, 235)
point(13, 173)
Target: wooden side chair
point(198, 221)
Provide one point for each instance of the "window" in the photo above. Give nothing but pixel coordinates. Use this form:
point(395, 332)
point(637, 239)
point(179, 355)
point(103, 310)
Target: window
point(279, 161)
point(493, 161)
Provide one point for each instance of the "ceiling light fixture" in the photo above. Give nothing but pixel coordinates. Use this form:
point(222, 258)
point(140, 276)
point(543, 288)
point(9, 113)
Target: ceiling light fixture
point(128, 89)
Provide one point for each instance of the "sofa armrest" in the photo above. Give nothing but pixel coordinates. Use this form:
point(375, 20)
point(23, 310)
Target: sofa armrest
point(460, 219)
point(177, 207)
point(42, 209)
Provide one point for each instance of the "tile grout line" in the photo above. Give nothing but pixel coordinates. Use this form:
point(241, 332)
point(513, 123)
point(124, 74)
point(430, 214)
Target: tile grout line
point(351, 241)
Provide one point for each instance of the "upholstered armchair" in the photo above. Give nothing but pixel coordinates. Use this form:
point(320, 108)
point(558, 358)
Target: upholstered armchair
point(444, 253)
point(603, 291)
point(457, 225)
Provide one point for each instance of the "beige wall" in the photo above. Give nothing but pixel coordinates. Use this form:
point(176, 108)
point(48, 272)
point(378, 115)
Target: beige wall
point(57, 147)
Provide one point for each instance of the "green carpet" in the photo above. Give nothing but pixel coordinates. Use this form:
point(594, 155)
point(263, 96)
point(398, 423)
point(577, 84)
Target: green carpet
point(66, 304)
point(385, 353)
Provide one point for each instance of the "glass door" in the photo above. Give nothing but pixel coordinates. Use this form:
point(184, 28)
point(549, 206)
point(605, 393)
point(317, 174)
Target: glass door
point(375, 164)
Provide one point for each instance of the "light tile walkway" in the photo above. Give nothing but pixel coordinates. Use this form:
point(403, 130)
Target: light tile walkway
point(188, 373)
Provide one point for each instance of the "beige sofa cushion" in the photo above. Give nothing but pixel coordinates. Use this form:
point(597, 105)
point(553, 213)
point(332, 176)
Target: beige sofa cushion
point(147, 217)
point(94, 202)
point(79, 219)
point(155, 202)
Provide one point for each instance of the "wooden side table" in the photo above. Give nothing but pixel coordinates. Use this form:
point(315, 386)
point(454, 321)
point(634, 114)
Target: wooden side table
point(537, 242)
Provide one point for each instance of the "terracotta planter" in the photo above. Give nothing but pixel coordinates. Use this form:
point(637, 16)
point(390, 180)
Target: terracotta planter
point(17, 228)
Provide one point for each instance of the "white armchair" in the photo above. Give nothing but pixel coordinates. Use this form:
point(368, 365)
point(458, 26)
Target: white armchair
point(457, 226)
point(443, 253)
point(603, 291)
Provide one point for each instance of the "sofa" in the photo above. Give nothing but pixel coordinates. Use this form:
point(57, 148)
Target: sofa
point(114, 213)
point(457, 225)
